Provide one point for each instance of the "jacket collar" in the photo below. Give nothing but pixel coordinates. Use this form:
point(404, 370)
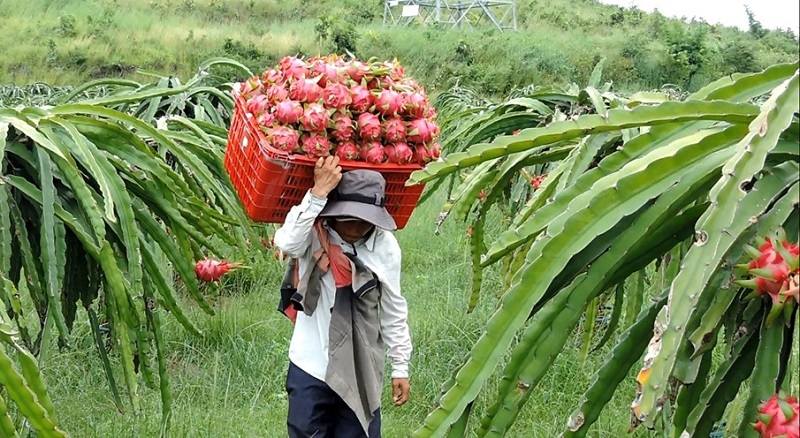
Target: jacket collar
point(367, 242)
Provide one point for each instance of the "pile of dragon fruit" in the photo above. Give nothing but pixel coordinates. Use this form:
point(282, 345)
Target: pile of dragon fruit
point(355, 110)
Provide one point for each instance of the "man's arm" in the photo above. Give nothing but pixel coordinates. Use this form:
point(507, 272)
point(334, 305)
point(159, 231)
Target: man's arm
point(294, 236)
point(394, 323)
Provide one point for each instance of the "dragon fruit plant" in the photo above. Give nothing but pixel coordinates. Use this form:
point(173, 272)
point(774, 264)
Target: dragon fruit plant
point(355, 110)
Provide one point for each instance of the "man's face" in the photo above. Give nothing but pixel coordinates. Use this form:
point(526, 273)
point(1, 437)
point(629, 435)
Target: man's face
point(351, 229)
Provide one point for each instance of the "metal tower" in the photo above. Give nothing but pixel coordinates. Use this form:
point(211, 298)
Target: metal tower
point(452, 13)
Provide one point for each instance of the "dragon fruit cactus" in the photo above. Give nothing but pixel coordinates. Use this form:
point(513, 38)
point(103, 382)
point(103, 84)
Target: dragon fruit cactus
point(348, 151)
point(208, 270)
point(775, 272)
point(288, 112)
point(779, 417)
point(343, 129)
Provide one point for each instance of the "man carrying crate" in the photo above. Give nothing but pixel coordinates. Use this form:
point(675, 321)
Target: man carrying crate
point(342, 291)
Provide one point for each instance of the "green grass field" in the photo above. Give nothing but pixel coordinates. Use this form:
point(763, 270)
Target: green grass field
point(230, 383)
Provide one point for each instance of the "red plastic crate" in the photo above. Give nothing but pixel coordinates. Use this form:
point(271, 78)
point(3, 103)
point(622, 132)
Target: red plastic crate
point(269, 182)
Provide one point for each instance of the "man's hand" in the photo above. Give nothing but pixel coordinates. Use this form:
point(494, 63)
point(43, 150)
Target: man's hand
point(327, 175)
point(400, 390)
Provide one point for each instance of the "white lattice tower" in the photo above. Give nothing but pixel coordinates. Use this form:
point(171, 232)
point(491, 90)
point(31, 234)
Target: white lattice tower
point(452, 13)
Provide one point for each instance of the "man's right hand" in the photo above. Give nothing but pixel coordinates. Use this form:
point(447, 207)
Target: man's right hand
point(327, 174)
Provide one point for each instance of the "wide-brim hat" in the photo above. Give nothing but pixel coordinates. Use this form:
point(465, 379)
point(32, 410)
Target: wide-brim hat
point(361, 194)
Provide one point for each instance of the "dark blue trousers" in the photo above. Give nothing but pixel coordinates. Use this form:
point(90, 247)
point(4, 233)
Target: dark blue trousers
point(316, 411)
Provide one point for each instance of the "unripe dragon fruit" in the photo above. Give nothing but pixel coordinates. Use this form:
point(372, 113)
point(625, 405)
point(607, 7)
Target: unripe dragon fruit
point(779, 417)
point(369, 126)
point(288, 111)
point(257, 104)
point(394, 130)
point(284, 138)
point(315, 118)
point(373, 152)
point(415, 105)
point(276, 94)
point(336, 96)
point(775, 271)
point(347, 151)
point(208, 270)
point(361, 99)
point(293, 67)
point(389, 102)
point(305, 90)
point(342, 127)
point(402, 153)
point(316, 145)
point(421, 131)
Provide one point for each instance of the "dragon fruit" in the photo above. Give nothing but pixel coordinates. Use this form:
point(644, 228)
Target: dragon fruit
point(422, 155)
point(265, 120)
point(305, 90)
point(284, 138)
point(389, 102)
point(415, 104)
point(435, 150)
point(421, 131)
point(249, 88)
point(402, 153)
point(361, 99)
point(373, 152)
point(394, 130)
point(288, 111)
point(537, 181)
point(315, 118)
point(391, 153)
point(276, 94)
point(257, 104)
point(776, 272)
point(336, 96)
point(357, 70)
point(273, 76)
point(347, 151)
point(208, 270)
point(293, 67)
point(316, 145)
point(369, 126)
point(328, 73)
point(779, 417)
point(342, 127)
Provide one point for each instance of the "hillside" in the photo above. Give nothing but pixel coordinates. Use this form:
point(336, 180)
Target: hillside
point(70, 41)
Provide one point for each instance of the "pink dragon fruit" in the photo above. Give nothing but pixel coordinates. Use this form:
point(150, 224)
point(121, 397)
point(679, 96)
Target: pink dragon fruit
point(342, 127)
point(422, 155)
point(389, 102)
point(369, 126)
point(415, 105)
point(336, 96)
point(316, 145)
point(276, 94)
point(273, 76)
point(315, 118)
point(288, 111)
point(394, 130)
point(361, 100)
point(435, 150)
point(208, 270)
point(396, 71)
point(328, 73)
point(421, 131)
point(347, 150)
point(537, 181)
point(776, 272)
point(402, 154)
point(266, 120)
point(257, 104)
point(284, 138)
point(293, 67)
point(249, 88)
point(305, 90)
point(357, 70)
point(391, 153)
point(373, 152)
point(779, 417)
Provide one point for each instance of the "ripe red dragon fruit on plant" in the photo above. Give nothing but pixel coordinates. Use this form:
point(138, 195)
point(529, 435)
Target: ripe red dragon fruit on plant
point(315, 118)
point(537, 181)
point(208, 270)
point(779, 417)
point(775, 272)
point(369, 126)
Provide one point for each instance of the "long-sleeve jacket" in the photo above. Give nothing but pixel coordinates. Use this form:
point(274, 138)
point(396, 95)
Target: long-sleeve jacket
point(380, 252)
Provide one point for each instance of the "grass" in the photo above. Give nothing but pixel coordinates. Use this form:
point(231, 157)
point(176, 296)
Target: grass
point(230, 383)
